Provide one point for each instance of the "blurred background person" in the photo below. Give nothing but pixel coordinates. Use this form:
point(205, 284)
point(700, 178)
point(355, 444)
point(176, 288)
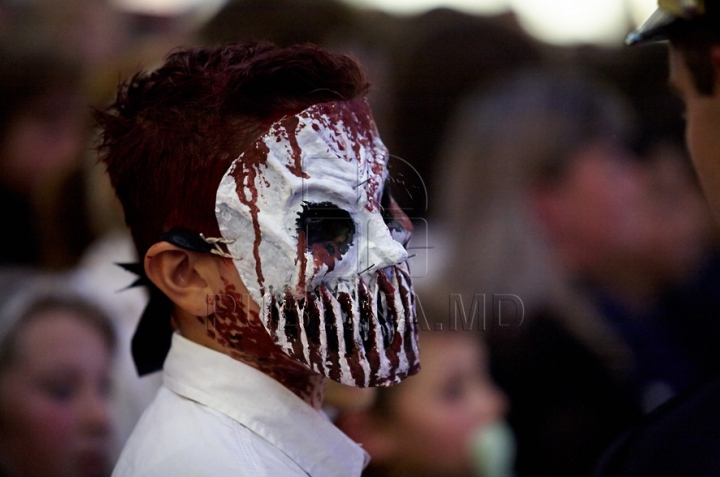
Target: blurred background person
point(442, 56)
point(58, 60)
point(43, 133)
point(55, 365)
point(543, 196)
point(447, 421)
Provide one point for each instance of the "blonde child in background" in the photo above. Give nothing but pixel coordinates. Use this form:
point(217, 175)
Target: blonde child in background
point(446, 421)
point(56, 352)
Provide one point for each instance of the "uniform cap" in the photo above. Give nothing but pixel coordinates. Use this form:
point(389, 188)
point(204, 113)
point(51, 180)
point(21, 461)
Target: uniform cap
point(670, 15)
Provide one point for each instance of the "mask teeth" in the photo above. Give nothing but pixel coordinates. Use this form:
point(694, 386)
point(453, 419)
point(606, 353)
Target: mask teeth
point(300, 312)
point(313, 330)
point(358, 329)
point(377, 356)
point(372, 339)
point(355, 368)
point(337, 327)
point(411, 333)
point(349, 340)
point(400, 313)
point(322, 365)
point(328, 335)
point(281, 336)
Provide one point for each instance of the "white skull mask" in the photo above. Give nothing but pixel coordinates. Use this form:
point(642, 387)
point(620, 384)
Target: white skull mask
point(305, 213)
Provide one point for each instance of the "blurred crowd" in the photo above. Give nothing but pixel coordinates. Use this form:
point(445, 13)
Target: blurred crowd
point(552, 175)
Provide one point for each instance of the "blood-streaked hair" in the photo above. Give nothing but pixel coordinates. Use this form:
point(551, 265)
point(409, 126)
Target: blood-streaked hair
point(172, 133)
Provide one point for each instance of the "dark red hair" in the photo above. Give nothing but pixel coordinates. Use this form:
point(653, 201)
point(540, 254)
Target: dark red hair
point(172, 133)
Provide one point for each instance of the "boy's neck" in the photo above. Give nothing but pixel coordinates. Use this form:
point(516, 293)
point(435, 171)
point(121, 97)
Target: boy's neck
point(259, 352)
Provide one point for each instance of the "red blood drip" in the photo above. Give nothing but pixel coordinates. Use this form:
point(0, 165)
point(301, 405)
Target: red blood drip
point(356, 118)
point(229, 316)
point(246, 339)
point(290, 125)
point(325, 254)
point(245, 175)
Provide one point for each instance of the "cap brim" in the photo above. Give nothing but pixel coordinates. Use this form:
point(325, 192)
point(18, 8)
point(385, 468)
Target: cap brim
point(654, 29)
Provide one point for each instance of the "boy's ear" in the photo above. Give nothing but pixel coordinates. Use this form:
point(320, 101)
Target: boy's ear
point(181, 275)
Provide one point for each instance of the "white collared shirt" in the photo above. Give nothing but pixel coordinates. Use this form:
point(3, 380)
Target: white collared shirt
point(215, 416)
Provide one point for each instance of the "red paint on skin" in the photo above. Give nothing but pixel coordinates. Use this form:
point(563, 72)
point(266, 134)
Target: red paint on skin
point(253, 346)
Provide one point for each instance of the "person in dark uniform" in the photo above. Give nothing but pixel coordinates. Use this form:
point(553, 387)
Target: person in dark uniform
point(682, 438)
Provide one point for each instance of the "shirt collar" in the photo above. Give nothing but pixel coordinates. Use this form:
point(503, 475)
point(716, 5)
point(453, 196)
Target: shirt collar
point(264, 406)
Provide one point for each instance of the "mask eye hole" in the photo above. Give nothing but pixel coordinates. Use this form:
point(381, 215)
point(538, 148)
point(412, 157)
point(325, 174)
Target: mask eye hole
point(326, 226)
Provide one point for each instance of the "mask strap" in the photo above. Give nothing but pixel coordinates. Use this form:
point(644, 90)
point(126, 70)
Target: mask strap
point(215, 242)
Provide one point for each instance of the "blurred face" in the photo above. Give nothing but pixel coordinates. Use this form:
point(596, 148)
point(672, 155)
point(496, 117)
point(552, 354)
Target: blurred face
point(612, 215)
point(438, 412)
point(702, 128)
point(43, 141)
point(596, 209)
point(54, 400)
point(679, 217)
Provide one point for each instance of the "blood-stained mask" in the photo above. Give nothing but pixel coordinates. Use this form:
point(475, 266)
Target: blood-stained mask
point(320, 244)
